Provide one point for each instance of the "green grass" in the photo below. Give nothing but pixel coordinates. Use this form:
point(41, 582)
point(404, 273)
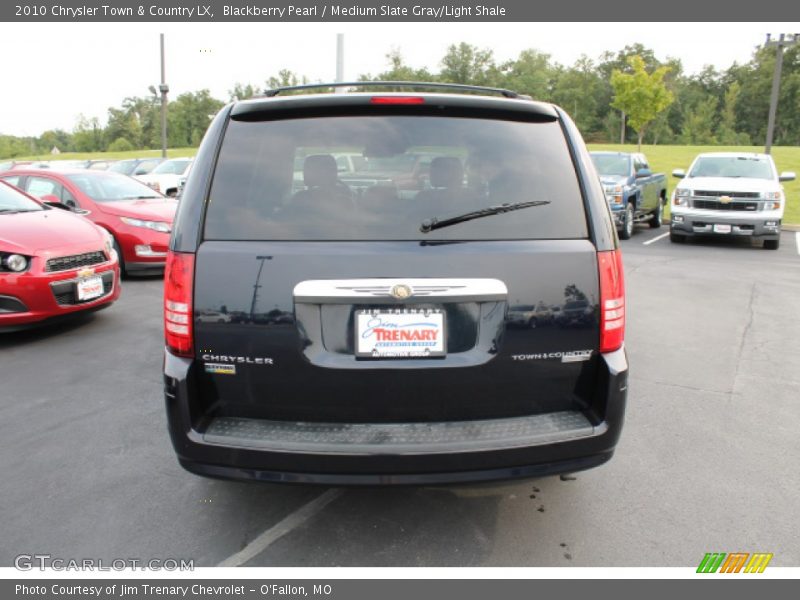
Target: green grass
point(664, 159)
point(171, 152)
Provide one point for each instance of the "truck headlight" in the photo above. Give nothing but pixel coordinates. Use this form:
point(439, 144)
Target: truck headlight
point(613, 193)
point(681, 197)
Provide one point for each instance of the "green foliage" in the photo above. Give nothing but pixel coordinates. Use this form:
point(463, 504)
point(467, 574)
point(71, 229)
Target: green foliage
point(584, 89)
point(469, 64)
point(641, 95)
point(120, 145)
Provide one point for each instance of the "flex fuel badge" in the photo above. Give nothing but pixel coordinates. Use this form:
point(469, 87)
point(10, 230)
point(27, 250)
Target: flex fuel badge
point(218, 369)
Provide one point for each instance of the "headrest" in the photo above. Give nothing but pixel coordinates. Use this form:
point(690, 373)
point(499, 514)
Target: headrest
point(446, 172)
point(319, 170)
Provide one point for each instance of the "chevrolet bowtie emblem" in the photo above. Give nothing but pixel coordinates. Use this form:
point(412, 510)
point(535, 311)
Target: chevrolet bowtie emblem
point(87, 272)
point(401, 291)
point(725, 199)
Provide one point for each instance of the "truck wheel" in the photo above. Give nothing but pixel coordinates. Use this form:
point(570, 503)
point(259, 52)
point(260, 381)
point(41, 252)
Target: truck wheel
point(676, 238)
point(658, 216)
point(771, 244)
point(627, 223)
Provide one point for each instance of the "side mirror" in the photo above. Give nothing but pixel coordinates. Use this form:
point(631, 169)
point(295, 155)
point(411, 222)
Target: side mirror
point(787, 176)
point(643, 173)
point(679, 173)
point(140, 172)
point(55, 205)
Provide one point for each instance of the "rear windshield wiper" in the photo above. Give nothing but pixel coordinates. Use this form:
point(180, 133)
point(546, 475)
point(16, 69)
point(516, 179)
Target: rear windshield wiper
point(429, 225)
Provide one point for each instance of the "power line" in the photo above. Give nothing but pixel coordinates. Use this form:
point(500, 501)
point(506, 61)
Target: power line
point(784, 41)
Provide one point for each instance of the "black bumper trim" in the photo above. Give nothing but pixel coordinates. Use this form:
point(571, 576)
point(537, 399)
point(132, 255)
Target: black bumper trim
point(411, 479)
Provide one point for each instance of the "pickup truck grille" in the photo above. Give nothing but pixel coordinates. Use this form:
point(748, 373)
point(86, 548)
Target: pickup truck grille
point(715, 205)
point(738, 195)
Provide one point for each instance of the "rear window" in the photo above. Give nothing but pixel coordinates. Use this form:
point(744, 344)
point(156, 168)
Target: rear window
point(380, 177)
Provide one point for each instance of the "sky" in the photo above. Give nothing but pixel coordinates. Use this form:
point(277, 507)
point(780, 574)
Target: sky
point(54, 72)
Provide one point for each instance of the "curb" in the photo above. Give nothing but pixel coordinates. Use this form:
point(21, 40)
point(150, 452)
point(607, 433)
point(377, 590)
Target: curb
point(790, 227)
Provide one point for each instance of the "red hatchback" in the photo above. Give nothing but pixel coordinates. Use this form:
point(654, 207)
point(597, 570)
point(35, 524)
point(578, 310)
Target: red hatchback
point(52, 263)
point(138, 218)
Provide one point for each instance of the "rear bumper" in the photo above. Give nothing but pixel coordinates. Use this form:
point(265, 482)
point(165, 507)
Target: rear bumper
point(401, 453)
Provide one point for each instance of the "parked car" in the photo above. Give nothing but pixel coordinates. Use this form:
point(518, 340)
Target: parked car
point(370, 340)
point(635, 194)
point(135, 166)
point(138, 217)
point(729, 194)
point(530, 315)
point(53, 264)
point(165, 178)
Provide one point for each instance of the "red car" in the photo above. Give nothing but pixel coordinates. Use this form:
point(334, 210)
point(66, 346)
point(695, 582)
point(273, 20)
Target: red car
point(52, 263)
point(138, 218)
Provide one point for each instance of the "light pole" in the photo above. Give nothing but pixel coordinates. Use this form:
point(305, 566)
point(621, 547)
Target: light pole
point(163, 88)
point(784, 41)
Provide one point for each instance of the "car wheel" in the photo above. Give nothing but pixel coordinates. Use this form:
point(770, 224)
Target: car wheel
point(771, 244)
point(172, 193)
point(658, 216)
point(118, 250)
point(627, 223)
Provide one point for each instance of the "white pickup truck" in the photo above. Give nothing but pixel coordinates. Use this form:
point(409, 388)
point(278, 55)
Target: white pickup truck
point(729, 193)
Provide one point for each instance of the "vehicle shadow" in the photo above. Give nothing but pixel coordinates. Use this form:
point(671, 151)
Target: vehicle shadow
point(46, 331)
point(440, 526)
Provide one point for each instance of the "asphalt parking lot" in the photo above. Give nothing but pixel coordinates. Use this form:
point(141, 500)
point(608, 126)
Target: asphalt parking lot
point(707, 460)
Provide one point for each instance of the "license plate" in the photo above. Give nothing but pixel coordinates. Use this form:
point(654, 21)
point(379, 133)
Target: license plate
point(89, 288)
point(405, 333)
point(718, 228)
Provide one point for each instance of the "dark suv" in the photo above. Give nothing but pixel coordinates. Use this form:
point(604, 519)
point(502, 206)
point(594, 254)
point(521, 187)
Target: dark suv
point(351, 334)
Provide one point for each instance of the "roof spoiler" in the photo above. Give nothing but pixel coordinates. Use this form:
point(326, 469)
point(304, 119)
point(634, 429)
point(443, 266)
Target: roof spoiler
point(398, 84)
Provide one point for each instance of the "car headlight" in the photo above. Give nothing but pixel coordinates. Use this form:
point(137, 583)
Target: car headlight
point(154, 225)
point(772, 195)
point(14, 262)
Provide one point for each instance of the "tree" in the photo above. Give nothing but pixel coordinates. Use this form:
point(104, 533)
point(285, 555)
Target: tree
point(641, 95)
point(469, 65)
point(698, 125)
point(189, 116)
point(241, 91)
point(88, 135)
point(531, 73)
point(399, 70)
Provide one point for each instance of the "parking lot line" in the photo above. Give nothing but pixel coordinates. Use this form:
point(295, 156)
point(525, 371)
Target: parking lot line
point(277, 531)
point(655, 239)
point(797, 239)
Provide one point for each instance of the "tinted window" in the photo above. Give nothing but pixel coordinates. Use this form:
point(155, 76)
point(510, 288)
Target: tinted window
point(279, 179)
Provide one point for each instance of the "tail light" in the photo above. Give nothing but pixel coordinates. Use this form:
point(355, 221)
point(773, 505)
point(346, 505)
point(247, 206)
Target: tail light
point(178, 283)
point(612, 301)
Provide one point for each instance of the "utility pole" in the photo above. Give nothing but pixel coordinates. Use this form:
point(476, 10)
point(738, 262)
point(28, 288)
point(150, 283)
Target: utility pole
point(784, 41)
point(163, 88)
point(339, 61)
